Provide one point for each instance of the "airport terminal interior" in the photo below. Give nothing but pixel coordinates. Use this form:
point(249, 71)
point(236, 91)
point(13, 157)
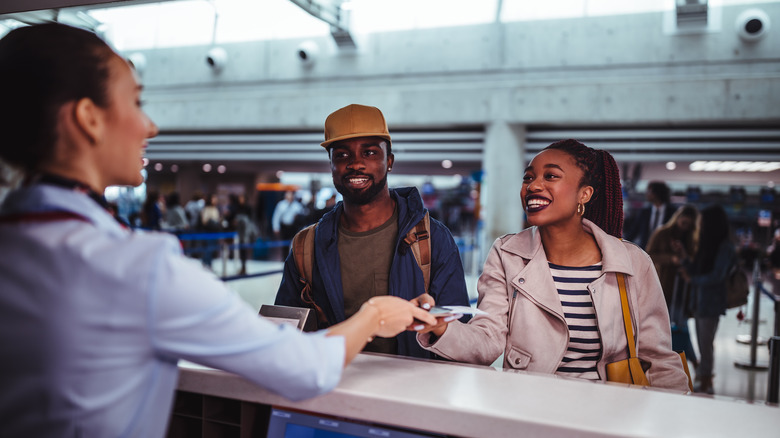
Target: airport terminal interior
point(681, 92)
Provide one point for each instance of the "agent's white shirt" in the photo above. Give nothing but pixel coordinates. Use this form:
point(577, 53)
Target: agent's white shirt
point(94, 317)
point(285, 213)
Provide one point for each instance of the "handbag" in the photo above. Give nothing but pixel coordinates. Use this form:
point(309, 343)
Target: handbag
point(630, 370)
point(737, 288)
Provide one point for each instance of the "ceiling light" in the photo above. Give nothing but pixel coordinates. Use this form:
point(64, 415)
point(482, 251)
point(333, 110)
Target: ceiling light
point(207, 167)
point(734, 166)
point(671, 165)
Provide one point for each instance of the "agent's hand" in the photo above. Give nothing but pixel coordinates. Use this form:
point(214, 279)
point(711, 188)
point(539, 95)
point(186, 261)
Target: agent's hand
point(394, 315)
point(427, 302)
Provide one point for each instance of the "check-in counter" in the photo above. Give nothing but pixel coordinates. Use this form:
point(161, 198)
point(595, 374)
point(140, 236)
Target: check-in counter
point(394, 396)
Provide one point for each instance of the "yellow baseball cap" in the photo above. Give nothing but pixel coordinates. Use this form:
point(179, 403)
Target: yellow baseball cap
point(355, 121)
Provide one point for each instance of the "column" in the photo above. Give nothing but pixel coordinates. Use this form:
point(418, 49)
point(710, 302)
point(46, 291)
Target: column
point(503, 163)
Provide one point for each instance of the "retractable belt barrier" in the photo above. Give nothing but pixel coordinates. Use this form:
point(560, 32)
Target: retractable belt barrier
point(198, 243)
point(773, 382)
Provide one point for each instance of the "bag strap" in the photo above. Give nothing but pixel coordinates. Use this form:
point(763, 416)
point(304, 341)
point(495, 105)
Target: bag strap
point(303, 255)
point(422, 252)
point(637, 375)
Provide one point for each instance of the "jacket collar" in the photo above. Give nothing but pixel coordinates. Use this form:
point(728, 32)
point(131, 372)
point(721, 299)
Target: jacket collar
point(410, 212)
point(615, 256)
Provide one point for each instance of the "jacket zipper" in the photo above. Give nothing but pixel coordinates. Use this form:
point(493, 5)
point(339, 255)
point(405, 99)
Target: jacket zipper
point(563, 320)
point(511, 311)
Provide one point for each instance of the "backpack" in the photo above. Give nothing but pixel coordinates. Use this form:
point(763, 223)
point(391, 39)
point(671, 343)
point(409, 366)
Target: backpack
point(418, 239)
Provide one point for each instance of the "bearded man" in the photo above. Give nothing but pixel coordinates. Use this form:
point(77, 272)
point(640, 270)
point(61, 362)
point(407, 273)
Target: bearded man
point(359, 246)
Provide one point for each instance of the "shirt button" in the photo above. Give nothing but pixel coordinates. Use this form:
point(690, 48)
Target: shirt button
point(521, 280)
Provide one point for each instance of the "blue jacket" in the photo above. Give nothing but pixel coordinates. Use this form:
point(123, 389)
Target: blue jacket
point(448, 285)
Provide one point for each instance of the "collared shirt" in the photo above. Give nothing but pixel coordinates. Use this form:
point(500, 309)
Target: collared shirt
point(93, 319)
point(656, 217)
point(285, 213)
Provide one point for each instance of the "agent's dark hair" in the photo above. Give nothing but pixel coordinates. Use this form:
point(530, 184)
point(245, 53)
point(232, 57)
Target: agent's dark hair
point(601, 172)
point(43, 67)
point(713, 230)
point(660, 190)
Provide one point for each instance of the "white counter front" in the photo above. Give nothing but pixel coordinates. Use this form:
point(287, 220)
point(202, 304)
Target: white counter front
point(469, 401)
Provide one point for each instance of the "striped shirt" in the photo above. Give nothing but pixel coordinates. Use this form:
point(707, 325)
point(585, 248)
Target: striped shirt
point(584, 348)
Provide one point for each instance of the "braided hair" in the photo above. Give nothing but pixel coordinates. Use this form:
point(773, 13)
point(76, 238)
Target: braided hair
point(600, 171)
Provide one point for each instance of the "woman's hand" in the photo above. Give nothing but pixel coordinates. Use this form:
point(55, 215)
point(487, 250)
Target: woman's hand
point(395, 315)
point(384, 316)
point(427, 302)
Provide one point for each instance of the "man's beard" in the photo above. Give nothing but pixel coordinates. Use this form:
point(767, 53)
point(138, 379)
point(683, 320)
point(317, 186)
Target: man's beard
point(363, 196)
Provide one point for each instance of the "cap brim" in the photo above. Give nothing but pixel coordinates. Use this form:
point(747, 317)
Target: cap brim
point(327, 143)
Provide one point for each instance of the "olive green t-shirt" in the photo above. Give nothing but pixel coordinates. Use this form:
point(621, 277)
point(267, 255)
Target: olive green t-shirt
point(365, 270)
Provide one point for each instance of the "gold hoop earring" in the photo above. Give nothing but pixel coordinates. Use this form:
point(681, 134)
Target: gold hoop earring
point(581, 209)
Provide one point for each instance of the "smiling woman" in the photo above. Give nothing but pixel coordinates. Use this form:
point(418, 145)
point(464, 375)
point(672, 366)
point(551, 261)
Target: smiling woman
point(563, 315)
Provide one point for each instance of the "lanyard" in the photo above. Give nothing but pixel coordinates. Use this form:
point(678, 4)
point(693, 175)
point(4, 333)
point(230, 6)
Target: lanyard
point(56, 180)
point(41, 216)
point(50, 216)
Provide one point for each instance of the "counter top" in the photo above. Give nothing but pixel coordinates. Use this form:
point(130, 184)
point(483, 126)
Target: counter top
point(471, 401)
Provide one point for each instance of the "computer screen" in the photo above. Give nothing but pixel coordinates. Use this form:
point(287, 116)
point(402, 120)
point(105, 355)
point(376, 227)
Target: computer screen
point(291, 424)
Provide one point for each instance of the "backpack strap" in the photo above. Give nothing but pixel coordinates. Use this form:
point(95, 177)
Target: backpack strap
point(419, 240)
point(303, 254)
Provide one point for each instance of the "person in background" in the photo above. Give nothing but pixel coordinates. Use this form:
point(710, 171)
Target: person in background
point(91, 348)
point(152, 212)
point(210, 222)
point(707, 274)
point(239, 218)
point(284, 221)
point(175, 215)
point(210, 216)
point(550, 292)
point(658, 212)
point(773, 256)
point(193, 208)
point(669, 246)
point(359, 247)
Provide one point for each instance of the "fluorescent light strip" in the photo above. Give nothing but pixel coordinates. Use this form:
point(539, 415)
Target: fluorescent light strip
point(734, 166)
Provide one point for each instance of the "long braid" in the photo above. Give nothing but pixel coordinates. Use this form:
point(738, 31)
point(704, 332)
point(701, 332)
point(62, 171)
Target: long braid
point(600, 171)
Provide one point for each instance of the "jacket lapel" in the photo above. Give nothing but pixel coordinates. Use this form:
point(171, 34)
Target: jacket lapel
point(529, 272)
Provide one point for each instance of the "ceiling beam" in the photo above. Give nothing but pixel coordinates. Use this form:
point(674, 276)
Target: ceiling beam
point(14, 6)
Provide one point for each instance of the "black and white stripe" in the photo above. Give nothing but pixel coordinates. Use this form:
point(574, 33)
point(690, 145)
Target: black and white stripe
point(584, 348)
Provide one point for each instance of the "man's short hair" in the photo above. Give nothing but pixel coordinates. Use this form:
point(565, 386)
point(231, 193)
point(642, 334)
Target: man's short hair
point(660, 190)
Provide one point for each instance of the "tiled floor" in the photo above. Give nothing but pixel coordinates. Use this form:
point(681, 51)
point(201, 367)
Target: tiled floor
point(730, 381)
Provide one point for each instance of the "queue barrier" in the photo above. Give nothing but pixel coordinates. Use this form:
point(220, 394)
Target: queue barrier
point(773, 381)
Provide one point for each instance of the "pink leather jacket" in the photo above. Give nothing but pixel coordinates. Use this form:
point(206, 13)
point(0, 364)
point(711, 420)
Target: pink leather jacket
point(525, 318)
